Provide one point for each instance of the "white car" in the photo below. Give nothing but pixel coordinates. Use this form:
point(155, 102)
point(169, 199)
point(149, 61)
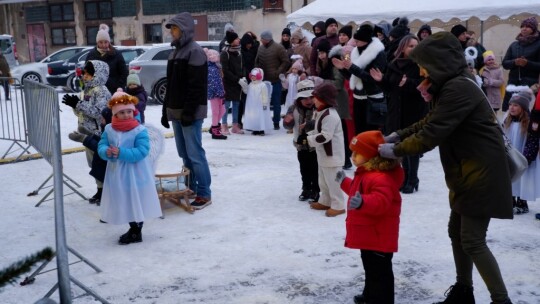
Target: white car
point(37, 71)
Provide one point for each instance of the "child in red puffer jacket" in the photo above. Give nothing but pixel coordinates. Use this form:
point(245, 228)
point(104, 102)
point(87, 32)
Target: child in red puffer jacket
point(373, 211)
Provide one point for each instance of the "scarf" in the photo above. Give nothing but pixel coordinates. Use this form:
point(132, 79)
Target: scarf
point(102, 52)
point(526, 40)
point(232, 49)
point(124, 125)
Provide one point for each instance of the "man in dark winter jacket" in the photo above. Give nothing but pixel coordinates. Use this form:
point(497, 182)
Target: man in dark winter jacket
point(472, 154)
point(185, 103)
point(464, 38)
point(272, 59)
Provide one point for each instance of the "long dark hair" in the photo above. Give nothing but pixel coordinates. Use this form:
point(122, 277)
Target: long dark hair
point(403, 44)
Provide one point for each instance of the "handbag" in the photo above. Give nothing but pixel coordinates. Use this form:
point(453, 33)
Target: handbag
point(376, 111)
point(517, 163)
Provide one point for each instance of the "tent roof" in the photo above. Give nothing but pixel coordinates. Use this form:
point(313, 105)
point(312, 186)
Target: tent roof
point(345, 11)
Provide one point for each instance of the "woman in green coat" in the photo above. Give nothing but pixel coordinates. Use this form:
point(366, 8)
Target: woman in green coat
point(472, 154)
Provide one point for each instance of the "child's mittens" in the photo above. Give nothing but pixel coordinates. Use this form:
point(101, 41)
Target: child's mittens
point(340, 176)
point(355, 202)
point(387, 151)
point(244, 84)
point(70, 100)
point(282, 77)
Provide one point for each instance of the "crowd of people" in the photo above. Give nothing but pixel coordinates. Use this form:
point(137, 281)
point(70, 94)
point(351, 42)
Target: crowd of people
point(374, 97)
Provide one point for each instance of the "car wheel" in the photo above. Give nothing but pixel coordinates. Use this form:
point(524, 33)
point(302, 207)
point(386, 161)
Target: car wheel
point(159, 90)
point(32, 76)
point(73, 84)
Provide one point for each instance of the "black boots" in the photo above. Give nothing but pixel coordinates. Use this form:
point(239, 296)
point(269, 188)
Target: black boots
point(458, 294)
point(133, 235)
point(96, 199)
point(520, 206)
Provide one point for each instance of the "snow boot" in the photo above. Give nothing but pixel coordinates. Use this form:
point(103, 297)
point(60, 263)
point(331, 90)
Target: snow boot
point(216, 133)
point(305, 195)
point(96, 199)
point(236, 129)
point(133, 235)
point(225, 129)
point(458, 294)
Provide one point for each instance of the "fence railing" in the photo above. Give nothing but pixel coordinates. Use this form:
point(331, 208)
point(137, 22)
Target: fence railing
point(12, 118)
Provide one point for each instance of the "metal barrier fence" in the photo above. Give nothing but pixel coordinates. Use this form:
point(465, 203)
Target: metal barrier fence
point(13, 117)
point(43, 121)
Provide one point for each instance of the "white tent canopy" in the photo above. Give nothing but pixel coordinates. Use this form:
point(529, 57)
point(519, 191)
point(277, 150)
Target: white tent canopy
point(345, 11)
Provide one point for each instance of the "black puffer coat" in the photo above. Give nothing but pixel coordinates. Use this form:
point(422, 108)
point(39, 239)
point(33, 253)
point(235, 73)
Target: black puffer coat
point(118, 71)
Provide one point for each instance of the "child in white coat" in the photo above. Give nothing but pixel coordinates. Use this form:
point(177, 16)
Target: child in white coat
point(257, 116)
point(327, 138)
point(515, 127)
point(129, 190)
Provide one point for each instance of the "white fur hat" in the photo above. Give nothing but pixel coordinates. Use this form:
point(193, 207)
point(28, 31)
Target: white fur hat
point(103, 33)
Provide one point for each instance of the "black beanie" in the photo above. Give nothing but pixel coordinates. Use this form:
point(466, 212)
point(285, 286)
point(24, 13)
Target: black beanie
point(347, 30)
point(458, 30)
point(230, 37)
point(329, 21)
point(401, 29)
point(286, 31)
point(364, 33)
point(324, 46)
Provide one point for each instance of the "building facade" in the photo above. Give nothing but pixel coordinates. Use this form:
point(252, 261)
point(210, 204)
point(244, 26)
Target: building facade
point(42, 27)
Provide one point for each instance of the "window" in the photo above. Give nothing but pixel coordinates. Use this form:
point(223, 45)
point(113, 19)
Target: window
point(91, 33)
point(162, 55)
point(273, 6)
point(63, 36)
point(98, 10)
point(153, 33)
point(61, 12)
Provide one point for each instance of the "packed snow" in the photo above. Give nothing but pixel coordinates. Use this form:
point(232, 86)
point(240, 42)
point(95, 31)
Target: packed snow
point(256, 243)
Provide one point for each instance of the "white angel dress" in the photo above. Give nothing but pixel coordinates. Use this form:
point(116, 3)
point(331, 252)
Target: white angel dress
point(292, 80)
point(257, 115)
point(129, 191)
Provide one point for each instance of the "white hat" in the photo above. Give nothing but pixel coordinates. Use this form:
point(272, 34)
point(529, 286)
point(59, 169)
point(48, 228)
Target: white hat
point(103, 33)
point(305, 88)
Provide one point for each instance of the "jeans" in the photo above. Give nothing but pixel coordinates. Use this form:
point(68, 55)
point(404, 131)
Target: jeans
point(189, 145)
point(275, 101)
point(235, 111)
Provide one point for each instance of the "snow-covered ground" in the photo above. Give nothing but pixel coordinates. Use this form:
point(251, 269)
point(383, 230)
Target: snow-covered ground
point(255, 244)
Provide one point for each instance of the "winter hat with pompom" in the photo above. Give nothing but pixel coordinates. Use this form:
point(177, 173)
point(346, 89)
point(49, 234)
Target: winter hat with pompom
point(367, 143)
point(523, 99)
point(133, 78)
point(121, 101)
point(103, 33)
point(298, 65)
